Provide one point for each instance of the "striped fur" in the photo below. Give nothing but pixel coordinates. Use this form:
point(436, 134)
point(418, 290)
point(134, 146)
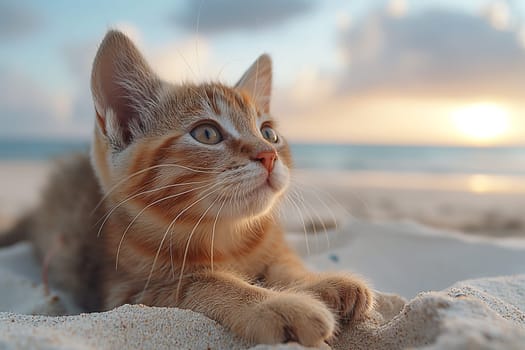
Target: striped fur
point(181, 223)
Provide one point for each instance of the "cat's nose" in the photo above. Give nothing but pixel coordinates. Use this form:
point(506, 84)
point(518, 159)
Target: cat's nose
point(267, 158)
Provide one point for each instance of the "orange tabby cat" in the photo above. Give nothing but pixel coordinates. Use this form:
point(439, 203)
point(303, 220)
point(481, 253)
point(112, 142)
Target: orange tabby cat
point(184, 180)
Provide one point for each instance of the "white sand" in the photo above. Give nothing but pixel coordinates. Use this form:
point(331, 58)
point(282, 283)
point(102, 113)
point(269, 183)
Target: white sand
point(406, 258)
point(398, 257)
point(485, 313)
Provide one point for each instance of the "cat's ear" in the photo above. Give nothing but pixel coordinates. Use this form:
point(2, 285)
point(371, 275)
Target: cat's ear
point(123, 86)
point(257, 81)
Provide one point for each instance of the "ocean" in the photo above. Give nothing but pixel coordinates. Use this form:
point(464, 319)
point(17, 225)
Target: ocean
point(412, 159)
point(507, 161)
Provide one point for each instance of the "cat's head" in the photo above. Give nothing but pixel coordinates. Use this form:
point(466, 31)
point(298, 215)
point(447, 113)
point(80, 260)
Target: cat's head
point(199, 151)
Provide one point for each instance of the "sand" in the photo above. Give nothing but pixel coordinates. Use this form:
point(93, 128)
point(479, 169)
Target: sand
point(479, 204)
point(416, 268)
point(485, 313)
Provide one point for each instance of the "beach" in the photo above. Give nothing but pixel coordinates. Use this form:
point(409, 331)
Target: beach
point(414, 237)
point(489, 205)
point(401, 122)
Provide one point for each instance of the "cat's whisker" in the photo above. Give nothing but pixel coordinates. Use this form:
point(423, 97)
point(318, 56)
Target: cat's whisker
point(235, 198)
point(323, 203)
point(169, 228)
point(302, 220)
point(319, 219)
point(307, 212)
point(218, 77)
point(351, 192)
point(186, 63)
point(213, 233)
point(186, 249)
point(197, 36)
point(172, 265)
point(316, 190)
point(149, 206)
point(106, 216)
point(141, 171)
point(171, 249)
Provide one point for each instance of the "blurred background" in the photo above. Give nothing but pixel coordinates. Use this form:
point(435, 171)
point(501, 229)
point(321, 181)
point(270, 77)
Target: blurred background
point(396, 110)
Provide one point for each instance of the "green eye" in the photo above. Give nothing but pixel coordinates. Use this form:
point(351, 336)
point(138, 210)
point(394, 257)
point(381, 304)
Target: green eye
point(207, 133)
point(269, 134)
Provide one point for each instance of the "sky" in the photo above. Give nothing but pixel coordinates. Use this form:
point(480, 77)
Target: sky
point(436, 72)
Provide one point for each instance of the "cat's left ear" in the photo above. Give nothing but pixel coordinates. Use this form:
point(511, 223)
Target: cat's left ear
point(257, 81)
point(124, 88)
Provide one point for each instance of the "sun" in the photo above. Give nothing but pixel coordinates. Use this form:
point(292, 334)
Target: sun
point(481, 122)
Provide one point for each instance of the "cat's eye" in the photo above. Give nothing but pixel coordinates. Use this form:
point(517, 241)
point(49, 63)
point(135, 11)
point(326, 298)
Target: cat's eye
point(269, 134)
point(208, 134)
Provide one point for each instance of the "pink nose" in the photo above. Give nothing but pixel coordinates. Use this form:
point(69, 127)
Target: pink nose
point(267, 158)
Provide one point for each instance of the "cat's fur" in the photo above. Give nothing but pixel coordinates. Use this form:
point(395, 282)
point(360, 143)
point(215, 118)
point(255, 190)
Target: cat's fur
point(225, 254)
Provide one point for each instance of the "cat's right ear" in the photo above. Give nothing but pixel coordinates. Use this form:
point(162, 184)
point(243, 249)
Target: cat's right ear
point(123, 86)
point(257, 81)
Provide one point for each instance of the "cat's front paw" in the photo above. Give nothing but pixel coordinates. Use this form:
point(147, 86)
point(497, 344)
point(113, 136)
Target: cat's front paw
point(348, 296)
point(291, 318)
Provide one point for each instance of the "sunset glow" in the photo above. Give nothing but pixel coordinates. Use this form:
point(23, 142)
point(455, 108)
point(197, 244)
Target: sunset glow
point(373, 72)
point(481, 122)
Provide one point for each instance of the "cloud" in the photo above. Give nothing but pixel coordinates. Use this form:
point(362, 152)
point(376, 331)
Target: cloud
point(436, 52)
point(498, 14)
point(27, 108)
point(397, 8)
point(17, 22)
point(403, 78)
point(227, 15)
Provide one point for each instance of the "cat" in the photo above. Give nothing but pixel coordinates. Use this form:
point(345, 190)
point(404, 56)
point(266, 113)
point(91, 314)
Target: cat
point(175, 207)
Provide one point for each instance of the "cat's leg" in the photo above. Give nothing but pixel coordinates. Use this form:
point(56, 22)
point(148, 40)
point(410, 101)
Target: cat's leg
point(258, 314)
point(348, 296)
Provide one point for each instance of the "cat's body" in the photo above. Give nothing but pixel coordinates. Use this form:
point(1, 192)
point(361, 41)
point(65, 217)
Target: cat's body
point(177, 207)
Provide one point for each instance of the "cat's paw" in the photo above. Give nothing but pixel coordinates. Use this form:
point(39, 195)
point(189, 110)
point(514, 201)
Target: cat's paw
point(349, 297)
point(287, 317)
